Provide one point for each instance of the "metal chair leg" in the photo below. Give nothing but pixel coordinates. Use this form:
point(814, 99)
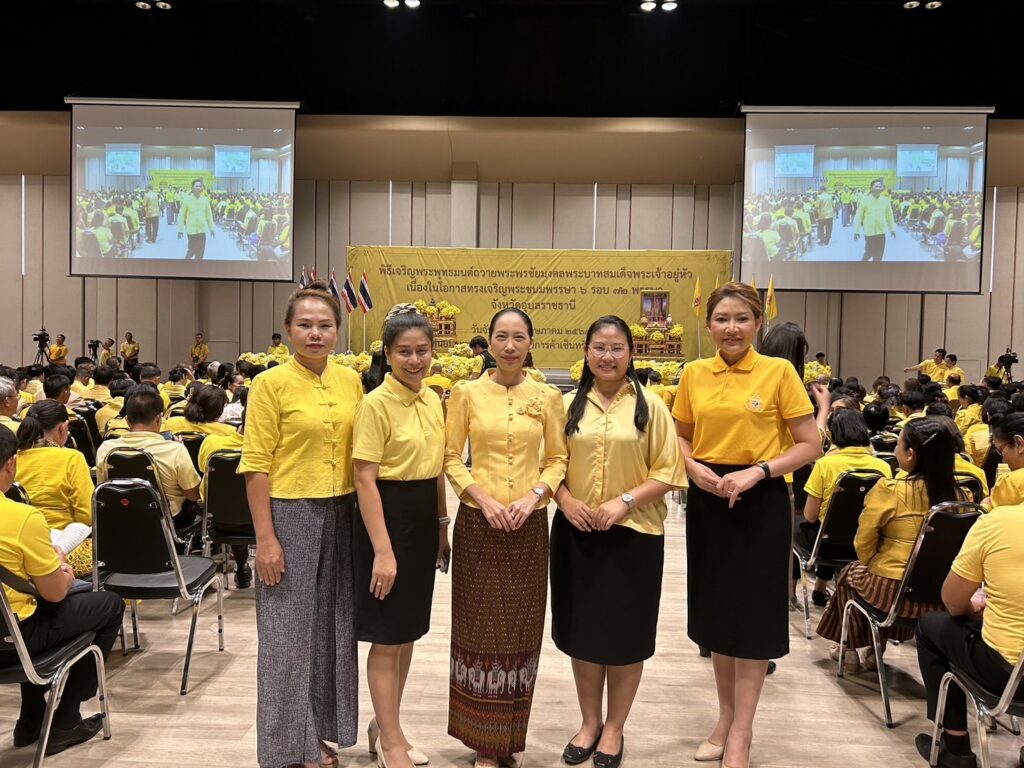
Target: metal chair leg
point(124, 644)
point(52, 700)
point(940, 712)
point(196, 600)
point(883, 686)
point(224, 564)
point(135, 623)
point(804, 578)
point(842, 639)
point(101, 687)
point(1015, 725)
point(983, 733)
point(220, 618)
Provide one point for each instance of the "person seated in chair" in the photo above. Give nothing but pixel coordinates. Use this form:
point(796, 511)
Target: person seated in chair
point(876, 416)
point(978, 437)
point(100, 390)
point(1008, 440)
point(52, 619)
point(118, 389)
point(894, 511)
point(204, 408)
point(850, 451)
point(912, 404)
point(981, 636)
point(9, 405)
point(969, 413)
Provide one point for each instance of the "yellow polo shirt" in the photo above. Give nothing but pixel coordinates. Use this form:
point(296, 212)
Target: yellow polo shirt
point(739, 412)
point(80, 389)
point(298, 430)
point(25, 550)
point(517, 435)
point(993, 554)
point(177, 424)
point(1009, 490)
point(107, 412)
point(951, 369)
point(100, 392)
point(609, 456)
point(59, 484)
point(279, 349)
point(936, 371)
point(437, 380)
point(58, 354)
point(200, 351)
point(822, 482)
point(977, 441)
point(129, 349)
point(401, 430)
point(171, 462)
point(968, 417)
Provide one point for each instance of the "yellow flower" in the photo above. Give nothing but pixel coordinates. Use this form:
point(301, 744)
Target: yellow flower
point(638, 331)
point(676, 332)
point(461, 350)
point(533, 408)
point(421, 305)
point(576, 372)
point(537, 375)
point(657, 336)
point(376, 346)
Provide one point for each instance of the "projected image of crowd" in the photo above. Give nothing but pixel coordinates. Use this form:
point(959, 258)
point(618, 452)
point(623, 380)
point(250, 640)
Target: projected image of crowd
point(168, 222)
point(847, 223)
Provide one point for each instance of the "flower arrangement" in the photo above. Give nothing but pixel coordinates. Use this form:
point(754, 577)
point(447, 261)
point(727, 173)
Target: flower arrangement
point(262, 358)
point(460, 350)
point(639, 331)
point(815, 371)
point(455, 367)
point(676, 332)
point(359, 363)
point(376, 346)
point(447, 311)
point(534, 409)
point(657, 337)
point(576, 372)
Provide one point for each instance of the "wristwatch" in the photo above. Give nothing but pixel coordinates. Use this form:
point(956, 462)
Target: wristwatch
point(627, 498)
point(540, 491)
point(766, 469)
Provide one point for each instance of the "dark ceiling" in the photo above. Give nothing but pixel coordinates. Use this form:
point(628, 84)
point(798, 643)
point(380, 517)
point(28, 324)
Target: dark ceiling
point(518, 57)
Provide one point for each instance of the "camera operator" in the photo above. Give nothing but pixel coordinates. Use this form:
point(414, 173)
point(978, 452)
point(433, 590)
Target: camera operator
point(1003, 369)
point(58, 352)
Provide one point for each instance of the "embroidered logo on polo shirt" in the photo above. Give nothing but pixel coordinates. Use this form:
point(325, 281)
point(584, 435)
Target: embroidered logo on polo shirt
point(755, 403)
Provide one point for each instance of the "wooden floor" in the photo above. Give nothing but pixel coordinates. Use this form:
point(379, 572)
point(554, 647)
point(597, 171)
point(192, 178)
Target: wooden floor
point(807, 717)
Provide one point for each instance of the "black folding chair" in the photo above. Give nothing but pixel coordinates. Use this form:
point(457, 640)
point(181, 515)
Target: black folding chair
point(971, 485)
point(134, 555)
point(937, 545)
point(18, 493)
point(838, 528)
point(79, 431)
point(988, 705)
point(88, 414)
point(193, 441)
point(48, 668)
point(891, 460)
point(228, 521)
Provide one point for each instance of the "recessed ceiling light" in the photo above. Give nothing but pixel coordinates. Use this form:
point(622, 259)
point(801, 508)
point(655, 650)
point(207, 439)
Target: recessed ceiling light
point(163, 6)
point(80, 127)
point(391, 3)
point(968, 127)
point(648, 5)
point(278, 130)
point(933, 5)
point(911, 4)
point(669, 5)
point(412, 3)
point(142, 5)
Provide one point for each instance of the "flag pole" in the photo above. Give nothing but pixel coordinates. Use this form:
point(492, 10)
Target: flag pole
point(364, 332)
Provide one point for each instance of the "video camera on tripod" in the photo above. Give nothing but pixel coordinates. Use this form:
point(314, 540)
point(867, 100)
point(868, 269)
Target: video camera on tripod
point(1006, 361)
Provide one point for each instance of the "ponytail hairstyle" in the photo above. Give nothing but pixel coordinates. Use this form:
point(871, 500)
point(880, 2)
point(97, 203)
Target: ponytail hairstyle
point(401, 318)
point(934, 449)
point(579, 404)
point(41, 418)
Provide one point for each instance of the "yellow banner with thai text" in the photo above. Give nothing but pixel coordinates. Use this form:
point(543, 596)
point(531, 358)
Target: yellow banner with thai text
point(180, 179)
point(859, 180)
point(563, 291)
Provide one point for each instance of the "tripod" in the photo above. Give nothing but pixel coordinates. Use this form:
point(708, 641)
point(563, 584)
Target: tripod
point(41, 357)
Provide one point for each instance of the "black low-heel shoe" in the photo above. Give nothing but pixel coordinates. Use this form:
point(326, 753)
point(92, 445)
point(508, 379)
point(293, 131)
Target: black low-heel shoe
point(602, 760)
point(573, 755)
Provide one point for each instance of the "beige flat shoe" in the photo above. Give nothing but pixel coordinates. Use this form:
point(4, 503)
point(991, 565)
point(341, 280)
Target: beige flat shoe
point(708, 752)
point(417, 756)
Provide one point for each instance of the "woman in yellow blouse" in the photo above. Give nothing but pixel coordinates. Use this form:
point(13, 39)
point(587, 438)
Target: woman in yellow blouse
point(1008, 440)
point(969, 413)
point(500, 544)
point(205, 406)
point(894, 511)
point(402, 534)
point(297, 462)
point(733, 413)
point(129, 352)
point(57, 479)
point(607, 539)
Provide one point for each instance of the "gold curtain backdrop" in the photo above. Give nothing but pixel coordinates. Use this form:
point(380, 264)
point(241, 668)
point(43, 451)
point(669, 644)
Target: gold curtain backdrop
point(563, 291)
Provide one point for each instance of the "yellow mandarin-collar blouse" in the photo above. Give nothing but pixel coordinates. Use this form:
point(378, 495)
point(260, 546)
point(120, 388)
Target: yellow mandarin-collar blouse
point(298, 430)
point(608, 456)
point(517, 435)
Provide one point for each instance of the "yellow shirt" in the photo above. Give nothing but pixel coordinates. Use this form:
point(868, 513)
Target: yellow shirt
point(993, 553)
point(298, 430)
point(178, 424)
point(200, 351)
point(894, 511)
point(279, 349)
point(105, 355)
point(936, 371)
point(58, 354)
point(437, 380)
point(107, 412)
point(59, 484)
point(953, 396)
point(116, 426)
point(151, 204)
point(210, 446)
point(129, 349)
point(171, 462)
point(80, 389)
point(822, 482)
point(517, 435)
point(196, 215)
point(10, 423)
point(951, 369)
point(739, 412)
point(874, 216)
point(401, 430)
point(1009, 489)
point(667, 393)
point(911, 417)
point(771, 240)
point(963, 467)
point(25, 550)
point(608, 456)
point(100, 392)
point(172, 390)
point(35, 388)
point(967, 417)
point(977, 441)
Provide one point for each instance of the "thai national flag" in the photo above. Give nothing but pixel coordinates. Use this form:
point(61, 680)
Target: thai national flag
point(302, 278)
point(349, 291)
point(333, 287)
point(365, 300)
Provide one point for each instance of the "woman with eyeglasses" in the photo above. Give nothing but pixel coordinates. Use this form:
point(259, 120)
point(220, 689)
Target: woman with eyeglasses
point(607, 538)
point(1008, 441)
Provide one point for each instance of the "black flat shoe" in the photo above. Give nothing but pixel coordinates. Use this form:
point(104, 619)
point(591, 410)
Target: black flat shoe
point(61, 739)
point(602, 760)
point(819, 598)
point(704, 652)
point(26, 733)
point(923, 742)
point(772, 666)
point(573, 755)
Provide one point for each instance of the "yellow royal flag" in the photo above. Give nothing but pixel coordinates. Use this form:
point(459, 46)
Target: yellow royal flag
point(697, 299)
point(771, 308)
point(716, 282)
point(753, 284)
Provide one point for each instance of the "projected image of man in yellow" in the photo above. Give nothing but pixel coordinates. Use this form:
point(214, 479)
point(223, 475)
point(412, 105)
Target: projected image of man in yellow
point(196, 220)
point(874, 217)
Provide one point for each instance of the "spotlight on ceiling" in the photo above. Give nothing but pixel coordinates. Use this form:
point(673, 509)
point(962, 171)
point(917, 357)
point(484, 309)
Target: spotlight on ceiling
point(142, 5)
point(412, 3)
point(933, 5)
point(911, 4)
point(648, 5)
point(669, 5)
point(391, 3)
point(163, 6)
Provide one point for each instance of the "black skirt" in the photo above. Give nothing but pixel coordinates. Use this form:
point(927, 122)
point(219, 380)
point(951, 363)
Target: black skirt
point(737, 563)
point(410, 512)
point(605, 592)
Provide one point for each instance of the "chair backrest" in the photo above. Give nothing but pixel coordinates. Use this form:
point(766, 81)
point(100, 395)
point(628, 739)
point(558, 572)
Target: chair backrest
point(890, 459)
point(971, 484)
point(18, 493)
point(176, 408)
point(193, 442)
point(13, 640)
point(226, 499)
point(840, 523)
point(132, 532)
point(79, 430)
point(937, 545)
point(991, 465)
point(132, 463)
point(88, 414)
point(884, 443)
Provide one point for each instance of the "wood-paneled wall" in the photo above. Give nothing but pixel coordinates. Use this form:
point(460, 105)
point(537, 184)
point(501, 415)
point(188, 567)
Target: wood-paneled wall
point(862, 334)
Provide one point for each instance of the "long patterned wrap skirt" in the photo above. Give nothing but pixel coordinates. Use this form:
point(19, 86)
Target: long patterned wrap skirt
point(307, 669)
point(499, 593)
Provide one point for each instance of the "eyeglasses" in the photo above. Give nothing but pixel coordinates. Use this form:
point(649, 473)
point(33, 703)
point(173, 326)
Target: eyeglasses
point(1000, 448)
point(617, 352)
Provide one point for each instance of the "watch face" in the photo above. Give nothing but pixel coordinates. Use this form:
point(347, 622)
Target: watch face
point(628, 498)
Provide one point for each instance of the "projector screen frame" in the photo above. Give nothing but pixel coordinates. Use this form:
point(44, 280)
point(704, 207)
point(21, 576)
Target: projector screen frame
point(72, 101)
point(987, 111)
